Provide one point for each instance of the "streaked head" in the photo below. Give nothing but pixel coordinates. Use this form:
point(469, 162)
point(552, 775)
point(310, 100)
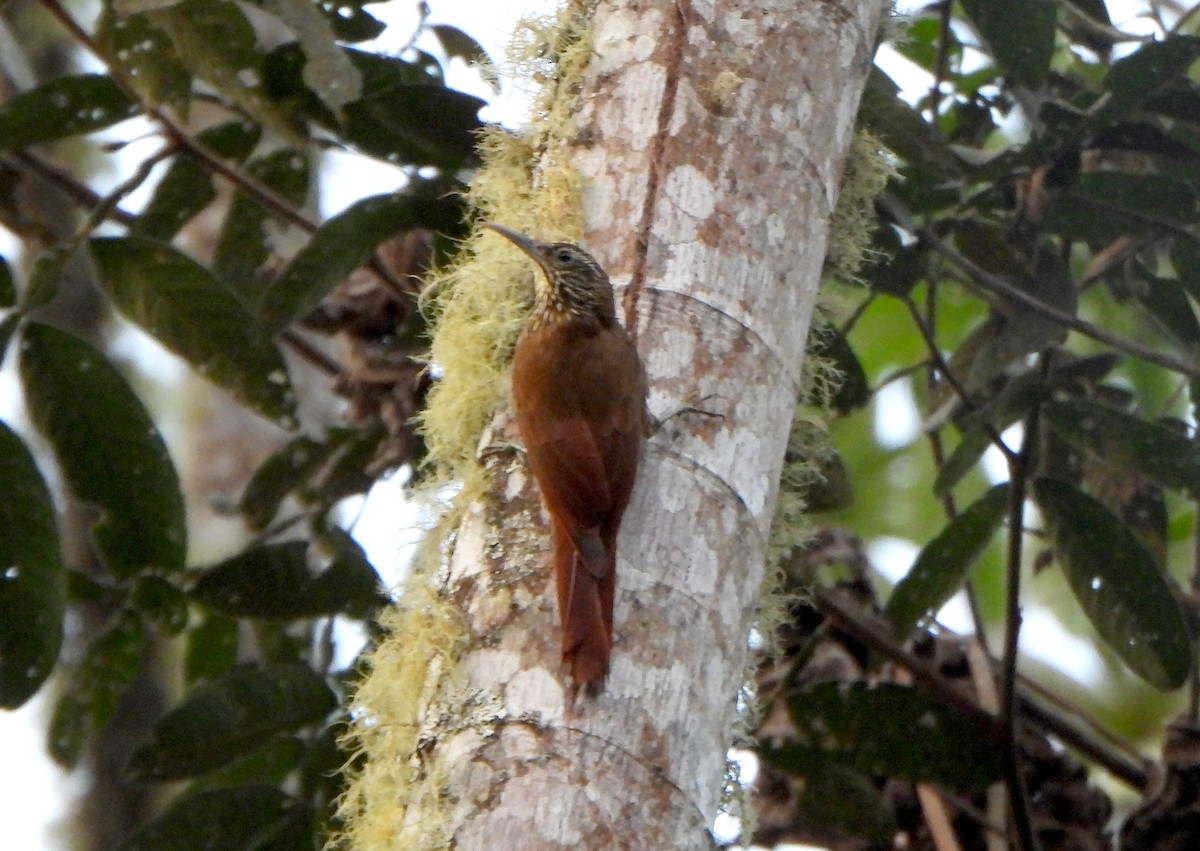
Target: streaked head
point(573, 280)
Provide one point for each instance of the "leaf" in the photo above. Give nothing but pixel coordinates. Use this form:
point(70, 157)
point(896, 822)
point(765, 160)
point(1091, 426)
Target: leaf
point(161, 603)
point(853, 390)
point(143, 55)
point(1102, 206)
point(328, 73)
point(275, 581)
point(1146, 72)
point(457, 43)
point(243, 246)
point(64, 107)
point(941, 568)
point(46, 275)
point(92, 691)
point(246, 818)
point(110, 453)
point(212, 648)
point(1120, 587)
point(282, 473)
point(215, 41)
point(1161, 454)
point(180, 303)
point(8, 290)
point(187, 187)
point(888, 729)
point(32, 579)
point(847, 800)
point(231, 716)
point(905, 131)
point(403, 116)
point(1165, 300)
point(1020, 35)
point(350, 22)
point(346, 242)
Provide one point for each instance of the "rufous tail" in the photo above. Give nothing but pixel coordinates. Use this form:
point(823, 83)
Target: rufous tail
point(584, 573)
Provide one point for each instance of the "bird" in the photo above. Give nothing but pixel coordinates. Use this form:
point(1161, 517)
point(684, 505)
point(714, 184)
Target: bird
point(579, 400)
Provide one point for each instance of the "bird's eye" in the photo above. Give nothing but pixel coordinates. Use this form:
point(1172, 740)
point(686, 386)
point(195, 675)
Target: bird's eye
point(564, 255)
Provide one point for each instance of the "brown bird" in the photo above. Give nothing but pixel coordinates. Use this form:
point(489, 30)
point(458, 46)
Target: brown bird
point(579, 394)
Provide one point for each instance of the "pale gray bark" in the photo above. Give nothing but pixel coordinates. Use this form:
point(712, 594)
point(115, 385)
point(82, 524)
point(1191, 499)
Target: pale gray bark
point(715, 138)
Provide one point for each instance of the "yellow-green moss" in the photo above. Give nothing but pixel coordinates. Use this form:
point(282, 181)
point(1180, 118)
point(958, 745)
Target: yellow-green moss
point(476, 306)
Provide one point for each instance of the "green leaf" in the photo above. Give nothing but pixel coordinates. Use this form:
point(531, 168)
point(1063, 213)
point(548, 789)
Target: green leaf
point(32, 580)
point(187, 187)
point(216, 42)
point(848, 801)
point(143, 54)
point(182, 305)
point(231, 716)
point(92, 691)
point(889, 729)
point(328, 72)
point(1102, 206)
point(1153, 450)
point(403, 116)
point(282, 473)
point(346, 242)
point(1165, 300)
point(8, 290)
point(46, 276)
point(942, 566)
point(110, 453)
point(242, 247)
point(904, 131)
point(64, 107)
point(853, 390)
point(1147, 71)
point(162, 603)
point(212, 648)
point(275, 581)
point(1020, 34)
point(246, 818)
point(1120, 587)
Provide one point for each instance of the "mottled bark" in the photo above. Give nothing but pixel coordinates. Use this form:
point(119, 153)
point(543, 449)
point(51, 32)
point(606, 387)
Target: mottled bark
point(715, 138)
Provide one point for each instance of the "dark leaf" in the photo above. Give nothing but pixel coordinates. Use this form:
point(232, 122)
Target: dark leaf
point(179, 302)
point(962, 460)
point(161, 603)
point(1153, 450)
point(403, 116)
point(1165, 300)
point(271, 763)
point(825, 341)
point(187, 187)
point(1147, 71)
point(46, 276)
point(108, 449)
point(63, 107)
point(347, 241)
point(846, 800)
point(457, 43)
point(280, 475)
point(212, 648)
point(1102, 206)
point(144, 56)
point(249, 818)
point(242, 247)
point(216, 42)
point(1120, 587)
point(275, 581)
point(90, 697)
point(231, 716)
point(893, 730)
point(942, 566)
point(904, 131)
point(1020, 34)
point(32, 581)
point(8, 290)
point(350, 22)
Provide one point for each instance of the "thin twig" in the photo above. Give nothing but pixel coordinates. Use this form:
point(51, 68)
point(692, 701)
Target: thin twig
point(1018, 799)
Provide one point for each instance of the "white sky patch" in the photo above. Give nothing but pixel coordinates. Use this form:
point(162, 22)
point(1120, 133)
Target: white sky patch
point(897, 422)
point(1044, 637)
point(892, 557)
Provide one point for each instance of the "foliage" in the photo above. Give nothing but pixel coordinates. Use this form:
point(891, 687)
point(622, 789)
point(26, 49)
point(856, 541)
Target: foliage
point(1035, 265)
point(255, 741)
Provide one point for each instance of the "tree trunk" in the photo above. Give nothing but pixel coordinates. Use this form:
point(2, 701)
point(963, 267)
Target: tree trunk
point(715, 139)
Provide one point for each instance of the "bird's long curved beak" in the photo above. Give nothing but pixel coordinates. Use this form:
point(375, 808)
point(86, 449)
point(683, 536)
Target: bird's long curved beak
point(520, 240)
